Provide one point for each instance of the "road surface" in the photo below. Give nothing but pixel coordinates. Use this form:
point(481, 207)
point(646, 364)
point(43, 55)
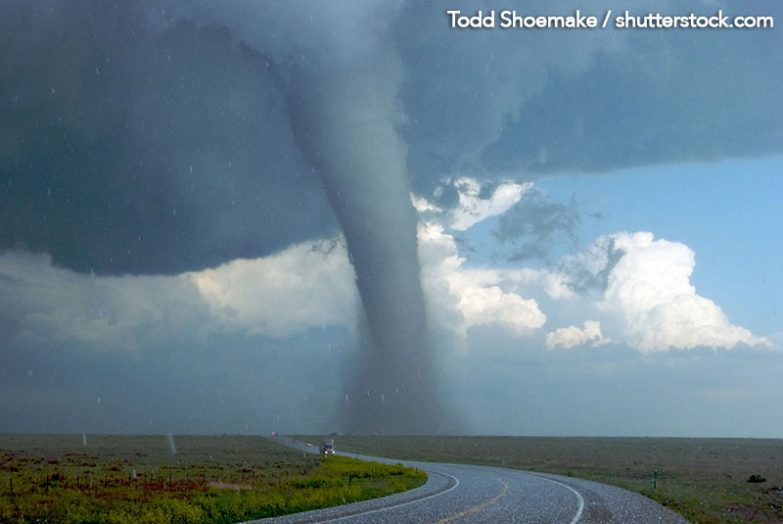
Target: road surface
point(458, 493)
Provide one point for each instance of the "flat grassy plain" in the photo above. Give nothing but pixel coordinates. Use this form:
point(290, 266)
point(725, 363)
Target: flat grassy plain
point(704, 480)
point(180, 479)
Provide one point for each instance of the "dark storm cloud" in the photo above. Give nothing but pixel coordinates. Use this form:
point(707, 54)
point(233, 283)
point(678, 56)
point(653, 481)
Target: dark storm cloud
point(124, 150)
point(532, 102)
point(674, 97)
point(536, 226)
point(155, 144)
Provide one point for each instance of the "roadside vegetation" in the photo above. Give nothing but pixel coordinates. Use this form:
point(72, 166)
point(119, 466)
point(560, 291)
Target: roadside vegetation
point(704, 480)
point(157, 479)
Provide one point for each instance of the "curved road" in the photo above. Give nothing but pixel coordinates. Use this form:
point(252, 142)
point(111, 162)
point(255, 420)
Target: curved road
point(458, 493)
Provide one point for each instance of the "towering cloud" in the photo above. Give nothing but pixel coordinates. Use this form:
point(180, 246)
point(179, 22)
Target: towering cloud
point(643, 286)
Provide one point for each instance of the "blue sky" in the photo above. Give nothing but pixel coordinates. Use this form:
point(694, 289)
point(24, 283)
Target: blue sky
point(728, 212)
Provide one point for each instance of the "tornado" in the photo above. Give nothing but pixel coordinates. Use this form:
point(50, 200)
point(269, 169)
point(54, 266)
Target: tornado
point(343, 114)
point(339, 74)
point(347, 132)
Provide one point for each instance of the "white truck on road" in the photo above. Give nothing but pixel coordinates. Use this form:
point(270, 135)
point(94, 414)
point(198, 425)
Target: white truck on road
point(327, 447)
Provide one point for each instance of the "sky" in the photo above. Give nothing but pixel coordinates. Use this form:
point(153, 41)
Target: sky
point(229, 218)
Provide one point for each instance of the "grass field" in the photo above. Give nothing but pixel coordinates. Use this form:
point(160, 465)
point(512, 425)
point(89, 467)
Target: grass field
point(157, 479)
point(705, 480)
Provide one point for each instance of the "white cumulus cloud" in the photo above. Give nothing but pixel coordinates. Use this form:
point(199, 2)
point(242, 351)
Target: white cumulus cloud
point(493, 306)
point(477, 296)
point(306, 285)
point(46, 304)
point(644, 286)
point(572, 336)
point(472, 209)
point(626, 288)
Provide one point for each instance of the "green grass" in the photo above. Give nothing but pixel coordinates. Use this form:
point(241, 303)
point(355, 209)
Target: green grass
point(137, 479)
point(705, 480)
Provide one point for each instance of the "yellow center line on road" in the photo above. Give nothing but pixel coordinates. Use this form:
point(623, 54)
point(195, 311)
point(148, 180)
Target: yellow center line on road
point(478, 507)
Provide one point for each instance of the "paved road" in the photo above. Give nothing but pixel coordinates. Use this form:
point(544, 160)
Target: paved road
point(457, 493)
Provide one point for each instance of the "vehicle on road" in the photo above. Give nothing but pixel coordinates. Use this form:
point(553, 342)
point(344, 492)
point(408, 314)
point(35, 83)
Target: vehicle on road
point(327, 447)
